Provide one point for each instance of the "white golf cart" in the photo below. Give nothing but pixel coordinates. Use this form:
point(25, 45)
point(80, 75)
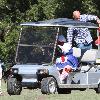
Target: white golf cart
point(35, 59)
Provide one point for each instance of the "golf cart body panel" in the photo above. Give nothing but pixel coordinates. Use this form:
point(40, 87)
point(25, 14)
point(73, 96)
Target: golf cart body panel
point(37, 66)
point(28, 72)
point(82, 80)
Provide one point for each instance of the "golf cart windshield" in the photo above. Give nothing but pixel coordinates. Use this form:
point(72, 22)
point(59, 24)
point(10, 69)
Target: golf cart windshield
point(38, 40)
point(36, 45)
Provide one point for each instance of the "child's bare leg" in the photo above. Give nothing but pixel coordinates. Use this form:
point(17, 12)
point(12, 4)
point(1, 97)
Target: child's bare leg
point(65, 72)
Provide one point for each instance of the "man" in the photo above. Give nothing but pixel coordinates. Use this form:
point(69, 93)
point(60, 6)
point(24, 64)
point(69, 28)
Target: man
point(81, 37)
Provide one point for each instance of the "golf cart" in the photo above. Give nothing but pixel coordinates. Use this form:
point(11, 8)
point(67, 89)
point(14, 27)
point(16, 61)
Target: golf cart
point(35, 60)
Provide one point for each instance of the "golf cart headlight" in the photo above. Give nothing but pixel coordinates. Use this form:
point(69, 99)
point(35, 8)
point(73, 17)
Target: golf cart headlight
point(43, 71)
point(98, 60)
point(15, 71)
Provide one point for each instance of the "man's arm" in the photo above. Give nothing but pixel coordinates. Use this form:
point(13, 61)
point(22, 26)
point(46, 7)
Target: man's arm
point(86, 18)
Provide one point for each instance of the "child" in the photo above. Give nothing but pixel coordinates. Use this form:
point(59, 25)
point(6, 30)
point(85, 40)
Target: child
point(66, 62)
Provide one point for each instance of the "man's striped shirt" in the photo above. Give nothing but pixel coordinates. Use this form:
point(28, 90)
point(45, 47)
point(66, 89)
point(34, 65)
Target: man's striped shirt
point(81, 35)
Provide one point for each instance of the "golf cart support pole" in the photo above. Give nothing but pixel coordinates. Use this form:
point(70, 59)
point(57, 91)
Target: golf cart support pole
point(18, 45)
point(58, 30)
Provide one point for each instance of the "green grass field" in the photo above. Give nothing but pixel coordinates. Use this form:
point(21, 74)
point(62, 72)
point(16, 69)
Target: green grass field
point(36, 94)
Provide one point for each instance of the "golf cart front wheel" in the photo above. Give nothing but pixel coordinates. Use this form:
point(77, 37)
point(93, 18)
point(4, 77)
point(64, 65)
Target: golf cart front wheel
point(14, 86)
point(48, 85)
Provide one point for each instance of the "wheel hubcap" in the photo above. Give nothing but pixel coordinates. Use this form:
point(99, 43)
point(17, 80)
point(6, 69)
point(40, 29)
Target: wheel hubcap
point(52, 87)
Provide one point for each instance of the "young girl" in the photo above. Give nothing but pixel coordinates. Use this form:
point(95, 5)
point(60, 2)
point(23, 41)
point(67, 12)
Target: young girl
point(66, 62)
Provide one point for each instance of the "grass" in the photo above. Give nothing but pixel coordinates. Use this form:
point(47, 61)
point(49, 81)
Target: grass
point(36, 94)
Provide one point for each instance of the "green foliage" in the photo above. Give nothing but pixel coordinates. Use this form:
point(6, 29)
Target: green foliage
point(13, 12)
point(49, 7)
point(90, 7)
point(66, 7)
point(8, 48)
point(45, 9)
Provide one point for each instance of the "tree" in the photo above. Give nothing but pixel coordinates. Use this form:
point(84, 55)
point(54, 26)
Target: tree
point(90, 7)
point(13, 12)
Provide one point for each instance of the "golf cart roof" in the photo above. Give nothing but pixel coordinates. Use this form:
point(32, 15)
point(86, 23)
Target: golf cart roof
point(61, 22)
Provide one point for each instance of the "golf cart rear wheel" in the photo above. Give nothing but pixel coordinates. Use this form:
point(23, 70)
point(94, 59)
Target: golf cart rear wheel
point(98, 89)
point(14, 86)
point(48, 85)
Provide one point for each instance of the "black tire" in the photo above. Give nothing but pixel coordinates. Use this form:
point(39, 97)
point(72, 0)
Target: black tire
point(13, 86)
point(63, 91)
point(48, 85)
point(98, 89)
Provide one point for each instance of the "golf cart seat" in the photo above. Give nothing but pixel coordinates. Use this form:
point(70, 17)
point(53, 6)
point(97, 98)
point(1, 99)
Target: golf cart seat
point(89, 55)
point(89, 58)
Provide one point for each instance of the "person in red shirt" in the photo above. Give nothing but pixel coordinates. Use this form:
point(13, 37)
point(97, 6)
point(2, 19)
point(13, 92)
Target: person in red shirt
point(97, 42)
